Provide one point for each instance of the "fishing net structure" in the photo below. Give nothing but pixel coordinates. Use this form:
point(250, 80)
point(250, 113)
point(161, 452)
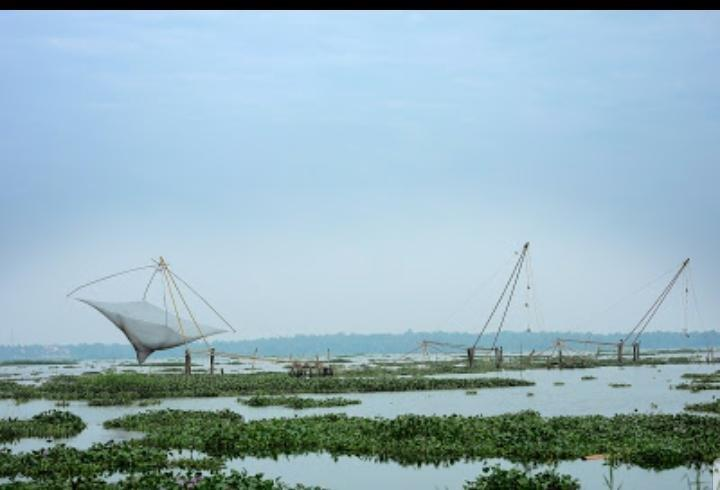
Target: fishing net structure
point(148, 327)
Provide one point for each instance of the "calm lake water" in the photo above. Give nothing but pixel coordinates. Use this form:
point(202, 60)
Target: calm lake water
point(651, 391)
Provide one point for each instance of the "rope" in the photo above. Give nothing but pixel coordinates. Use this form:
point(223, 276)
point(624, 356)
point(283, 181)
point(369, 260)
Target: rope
point(535, 300)
point(192, 317)
point(107, 277)
point(625, 297)
point(502, 295)
point(507, 306)
point(650, 314)
point(177, 313)
point(695, 301)
point(203, 300)
point(475, 292)
point(147, 288)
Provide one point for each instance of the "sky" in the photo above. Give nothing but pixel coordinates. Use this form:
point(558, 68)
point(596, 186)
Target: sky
point(324, 172)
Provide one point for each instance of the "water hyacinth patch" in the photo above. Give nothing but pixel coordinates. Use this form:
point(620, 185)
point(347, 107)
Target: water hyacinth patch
point(142, 467)
point(709, 407)
point(51, 423)
point(650, 441)
point(701, 381)
point(124, 388)
point(496, 478)
point(296, 402)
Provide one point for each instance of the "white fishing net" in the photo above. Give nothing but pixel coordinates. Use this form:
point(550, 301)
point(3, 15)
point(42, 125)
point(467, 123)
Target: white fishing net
point(150, 328)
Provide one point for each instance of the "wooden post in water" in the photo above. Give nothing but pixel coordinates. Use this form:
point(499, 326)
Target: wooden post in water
point(498, 356)
point(212, 360)
point(188, 363)
point(471, 356)
point(560, 359)
point(620, 351)
point(636, 351)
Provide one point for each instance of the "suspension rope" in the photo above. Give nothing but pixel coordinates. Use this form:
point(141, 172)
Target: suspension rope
point(534, 297)
point(172, 298)
point(107, 277)
point(147, 288)
point(192, 317)
point(203, 300)
point(502, 295)
point(625, 297)
point(650, 314)
point(701, 325)
point(685, 305)
point(507, 305)
point(475, 292)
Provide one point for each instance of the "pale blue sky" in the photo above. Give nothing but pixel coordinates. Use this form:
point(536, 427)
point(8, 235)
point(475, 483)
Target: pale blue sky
point(325, 172)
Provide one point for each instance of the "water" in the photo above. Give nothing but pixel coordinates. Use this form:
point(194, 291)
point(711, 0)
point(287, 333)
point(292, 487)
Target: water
point(650, 393)
point(351, 473)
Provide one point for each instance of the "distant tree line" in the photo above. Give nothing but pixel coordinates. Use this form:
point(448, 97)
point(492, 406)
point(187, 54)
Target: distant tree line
point(351, 344)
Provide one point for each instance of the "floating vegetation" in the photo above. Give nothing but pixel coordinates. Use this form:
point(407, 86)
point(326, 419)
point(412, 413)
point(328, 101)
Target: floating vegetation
point(709, 407)
point(143, 467)
point(656, 441)
point(124, 388)
point(619, 385)
point(496, 478)
point(240, 480)
point(471, 392)
point(39, 362)
point(587, 378)
point(149, 402)
point(116, 399)
point(530, 393)
point(340, 360)
point(51, 423)
point(559, 383)
point(16, 391)
point(296, 402)
point(701, 381)
point(62, 403)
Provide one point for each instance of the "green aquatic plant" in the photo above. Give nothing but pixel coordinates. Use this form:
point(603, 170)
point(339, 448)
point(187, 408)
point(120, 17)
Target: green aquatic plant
point(650, 441)
point(497, 478)
point(125, 388)
point(587, 378)
point(619, 385)
point(39, 362)
point(296, 402)
point(558, 383)
point(709, 407)
point(700, 381)
point(141, 466)
point(51, 423)
point(239, 480)
point(116, 400)
point(148, 402)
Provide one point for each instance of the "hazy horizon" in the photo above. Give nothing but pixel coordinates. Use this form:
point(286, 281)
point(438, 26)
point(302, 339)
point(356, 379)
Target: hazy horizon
point(317, 172)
